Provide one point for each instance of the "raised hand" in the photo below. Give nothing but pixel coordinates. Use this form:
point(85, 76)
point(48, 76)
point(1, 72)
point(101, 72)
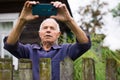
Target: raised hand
point(63, 13)
point(26, 13)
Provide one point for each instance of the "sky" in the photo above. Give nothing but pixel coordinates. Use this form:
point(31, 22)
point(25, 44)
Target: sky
point(111, 28)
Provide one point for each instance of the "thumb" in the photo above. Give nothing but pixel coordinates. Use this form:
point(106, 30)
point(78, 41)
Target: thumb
point(35, 16)
point(54, 17)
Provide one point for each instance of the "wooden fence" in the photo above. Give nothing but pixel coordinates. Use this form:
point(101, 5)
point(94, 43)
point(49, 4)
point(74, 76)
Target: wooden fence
point(66, 69)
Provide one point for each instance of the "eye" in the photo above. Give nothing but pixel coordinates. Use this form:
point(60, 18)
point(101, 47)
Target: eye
point(52, 28)
point(45, 27)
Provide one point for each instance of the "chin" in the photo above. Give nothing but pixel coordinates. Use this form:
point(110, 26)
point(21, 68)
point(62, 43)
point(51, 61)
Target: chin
point(49, 41)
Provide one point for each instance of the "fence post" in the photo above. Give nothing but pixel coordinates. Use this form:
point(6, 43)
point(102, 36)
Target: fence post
point(66, 69)
point(88, 69)
point(45, 69)
point(25, 69)
point(6, 69)
point(111, 67)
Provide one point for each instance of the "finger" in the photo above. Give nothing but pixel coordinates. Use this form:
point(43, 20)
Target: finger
point(54, 17)
point(26, 3)
point(37, 2)
point(36, 16)
point(52, 2)
point(30, 3)
point(62, 5)
point(56, 4)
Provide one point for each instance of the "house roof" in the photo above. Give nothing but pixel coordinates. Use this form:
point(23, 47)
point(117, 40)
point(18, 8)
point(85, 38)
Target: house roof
point(9, 6)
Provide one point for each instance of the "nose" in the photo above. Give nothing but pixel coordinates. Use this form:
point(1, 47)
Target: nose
point(48, 30)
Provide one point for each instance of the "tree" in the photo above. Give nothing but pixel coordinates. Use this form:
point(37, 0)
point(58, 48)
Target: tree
point(116, 12)
point(92, 15)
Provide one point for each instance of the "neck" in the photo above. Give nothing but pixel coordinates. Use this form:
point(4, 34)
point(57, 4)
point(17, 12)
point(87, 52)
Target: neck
point(47, 45)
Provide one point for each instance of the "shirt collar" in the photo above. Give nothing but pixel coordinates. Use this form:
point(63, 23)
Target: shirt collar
point(55, 46)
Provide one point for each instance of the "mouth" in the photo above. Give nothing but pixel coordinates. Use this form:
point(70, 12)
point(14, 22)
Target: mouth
point(48, 36)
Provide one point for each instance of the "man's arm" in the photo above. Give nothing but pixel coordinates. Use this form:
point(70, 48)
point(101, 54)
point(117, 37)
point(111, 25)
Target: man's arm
point(15, 32)
point(79, 33)
point(64, 16)
point(25, 16)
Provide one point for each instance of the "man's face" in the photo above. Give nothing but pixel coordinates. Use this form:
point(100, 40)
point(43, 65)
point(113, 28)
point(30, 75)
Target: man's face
point(49, 31)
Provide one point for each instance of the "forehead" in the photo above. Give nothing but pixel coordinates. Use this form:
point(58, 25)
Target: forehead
point(49, 23)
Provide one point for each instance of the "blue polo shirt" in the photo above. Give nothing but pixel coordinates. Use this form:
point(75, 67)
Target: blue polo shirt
point(57, 53)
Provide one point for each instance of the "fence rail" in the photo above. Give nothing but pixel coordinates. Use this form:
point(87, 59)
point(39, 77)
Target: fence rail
point(66, 69)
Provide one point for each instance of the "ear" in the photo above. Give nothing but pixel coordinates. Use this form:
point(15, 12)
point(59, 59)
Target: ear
point(59, 34)
point(39, 33)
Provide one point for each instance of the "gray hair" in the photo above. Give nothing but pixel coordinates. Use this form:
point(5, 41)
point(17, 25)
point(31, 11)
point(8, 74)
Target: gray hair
point(58, 27)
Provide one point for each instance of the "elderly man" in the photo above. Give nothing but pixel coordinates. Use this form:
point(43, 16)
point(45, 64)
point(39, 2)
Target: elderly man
point(49, 32)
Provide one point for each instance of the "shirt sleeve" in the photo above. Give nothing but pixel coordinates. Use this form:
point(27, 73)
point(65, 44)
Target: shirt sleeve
point(76, 50)
point(19, 50)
